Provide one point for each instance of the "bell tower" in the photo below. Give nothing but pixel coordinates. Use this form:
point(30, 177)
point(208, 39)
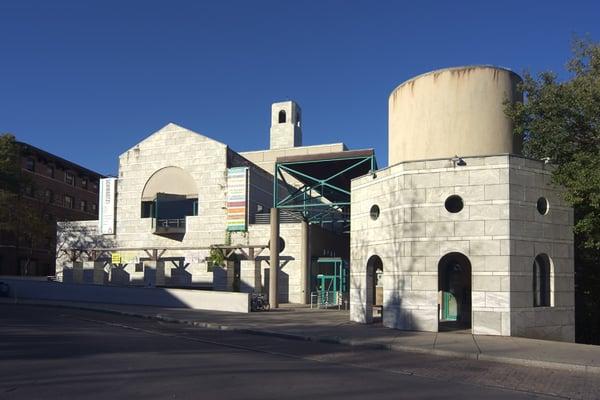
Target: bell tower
point(286, 129)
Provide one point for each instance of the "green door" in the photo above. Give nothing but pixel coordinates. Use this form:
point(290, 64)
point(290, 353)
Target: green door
point(449, 307)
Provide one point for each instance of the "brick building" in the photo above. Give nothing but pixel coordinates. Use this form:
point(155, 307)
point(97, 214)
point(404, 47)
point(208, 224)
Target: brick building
point(62, 191)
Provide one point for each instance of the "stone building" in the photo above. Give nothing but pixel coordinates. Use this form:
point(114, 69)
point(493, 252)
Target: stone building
point(176, 196)
point(460, 231)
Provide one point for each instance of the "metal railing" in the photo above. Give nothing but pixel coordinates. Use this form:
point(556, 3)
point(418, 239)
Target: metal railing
point(265, 219)
point(169, 225)
point(328, 299)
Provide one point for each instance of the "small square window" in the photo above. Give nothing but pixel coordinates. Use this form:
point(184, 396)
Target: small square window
point(69, 178)
point(139, 267)
point(49, 196)
point(69, 201)
point(30, 164)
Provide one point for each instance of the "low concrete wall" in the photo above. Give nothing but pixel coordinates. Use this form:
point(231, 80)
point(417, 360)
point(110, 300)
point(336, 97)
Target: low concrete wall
point(160, 297)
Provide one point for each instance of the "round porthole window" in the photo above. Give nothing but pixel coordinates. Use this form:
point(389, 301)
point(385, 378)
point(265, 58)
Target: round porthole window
point(454, 204)
point(281, 244)
point(374, 212)
point(543, 206)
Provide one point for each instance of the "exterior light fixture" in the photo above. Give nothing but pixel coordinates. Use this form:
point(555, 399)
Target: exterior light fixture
point(458, 161)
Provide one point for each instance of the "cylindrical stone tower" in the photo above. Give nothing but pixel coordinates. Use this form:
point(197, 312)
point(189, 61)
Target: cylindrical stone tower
point(453, 111)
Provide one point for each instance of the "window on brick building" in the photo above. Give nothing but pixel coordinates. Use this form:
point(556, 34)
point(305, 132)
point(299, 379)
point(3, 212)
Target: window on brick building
point(83, 205)
point(69, 178)
point(30, 164)
point(49, 196)
point(69, 201)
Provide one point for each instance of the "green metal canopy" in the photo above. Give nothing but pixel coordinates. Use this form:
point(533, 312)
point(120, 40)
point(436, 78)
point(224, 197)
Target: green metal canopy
point(323, 195)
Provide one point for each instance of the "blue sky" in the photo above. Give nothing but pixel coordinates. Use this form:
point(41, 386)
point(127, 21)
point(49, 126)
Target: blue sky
point(88, 79)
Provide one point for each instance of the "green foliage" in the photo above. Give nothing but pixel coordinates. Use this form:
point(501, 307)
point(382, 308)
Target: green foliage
point(25, 218)
point(10, 172)
point(561, 120)
point(216, 257)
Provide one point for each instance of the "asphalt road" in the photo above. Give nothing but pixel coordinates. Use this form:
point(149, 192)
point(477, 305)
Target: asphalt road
point(54, 353)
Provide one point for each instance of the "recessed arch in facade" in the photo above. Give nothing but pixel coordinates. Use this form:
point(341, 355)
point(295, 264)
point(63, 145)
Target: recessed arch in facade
point(454, 288)
point(169, 196)
point(171, 180)
point(374, 286)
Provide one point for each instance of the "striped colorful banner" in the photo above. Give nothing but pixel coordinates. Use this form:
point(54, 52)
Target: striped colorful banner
point(237, 199)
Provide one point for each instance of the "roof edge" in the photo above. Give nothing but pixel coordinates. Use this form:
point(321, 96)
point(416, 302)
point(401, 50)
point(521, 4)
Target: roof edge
point(437, 71)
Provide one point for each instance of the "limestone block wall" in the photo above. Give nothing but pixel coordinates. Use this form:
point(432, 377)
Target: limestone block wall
point(78, 235)
point(201, 157)
point(290, 273)
point(179, 268)
point(414, 231)
point(206, 161)
point(534, 233)
point(288, 133)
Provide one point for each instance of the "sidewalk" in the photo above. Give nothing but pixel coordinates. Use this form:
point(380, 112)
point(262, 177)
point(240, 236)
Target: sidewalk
point(333, 326)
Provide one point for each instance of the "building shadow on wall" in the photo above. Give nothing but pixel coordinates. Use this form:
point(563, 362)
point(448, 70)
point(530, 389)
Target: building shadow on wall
point(398, 227)
point(283, 287)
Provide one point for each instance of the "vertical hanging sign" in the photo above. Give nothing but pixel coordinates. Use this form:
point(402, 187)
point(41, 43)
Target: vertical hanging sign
point(106, 207)
point(237, 199)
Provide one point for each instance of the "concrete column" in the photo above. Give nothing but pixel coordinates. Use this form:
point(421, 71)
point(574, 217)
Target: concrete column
point(250, 276)
point(274, 259)
point(304, 262)
point(160, 273)
point(67, 274)
point(88, 272)
point(98, 275)
point(154, 273)
point(77, 272)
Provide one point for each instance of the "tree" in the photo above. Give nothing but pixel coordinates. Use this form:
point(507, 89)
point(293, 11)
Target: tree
point(561, 121)
point(23, 211)
point(9, 164)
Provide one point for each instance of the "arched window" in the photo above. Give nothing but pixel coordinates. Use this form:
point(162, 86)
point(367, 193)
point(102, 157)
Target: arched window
point(541, 281)
point(454, 285)
point(374, 286)
point(282, 117)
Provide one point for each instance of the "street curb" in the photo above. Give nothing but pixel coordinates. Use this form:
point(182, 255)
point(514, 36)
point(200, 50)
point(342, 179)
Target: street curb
point(334, 340)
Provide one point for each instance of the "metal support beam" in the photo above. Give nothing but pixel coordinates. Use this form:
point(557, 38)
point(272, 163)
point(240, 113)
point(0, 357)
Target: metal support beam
point(274, 259)
point(322, 196)
point(305, 262)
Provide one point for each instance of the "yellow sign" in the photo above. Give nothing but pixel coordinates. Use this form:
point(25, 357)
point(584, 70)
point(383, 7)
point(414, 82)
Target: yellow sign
point(116, 258)
point(128, 257)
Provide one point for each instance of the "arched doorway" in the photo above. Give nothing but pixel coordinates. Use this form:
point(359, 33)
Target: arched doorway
point(374, 289)
point(454, 288)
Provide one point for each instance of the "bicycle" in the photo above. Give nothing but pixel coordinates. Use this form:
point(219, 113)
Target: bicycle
point(258, 302)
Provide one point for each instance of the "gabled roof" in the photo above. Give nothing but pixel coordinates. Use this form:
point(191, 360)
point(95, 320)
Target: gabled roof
point(169, 128)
